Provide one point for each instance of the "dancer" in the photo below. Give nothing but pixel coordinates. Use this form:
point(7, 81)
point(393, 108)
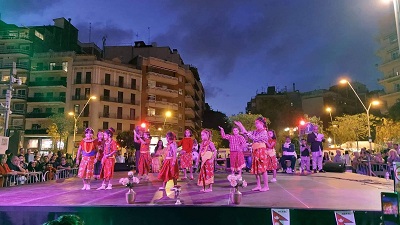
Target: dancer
point(272, 162)
point(137, 147)
point(207, 154)
point(236, 145)
point(145, 158)
point(97, 165)
point(169, 170)
point(87, 148)
point(186, 154)
point(108, 160)
point(259, 165)
point(157, 155)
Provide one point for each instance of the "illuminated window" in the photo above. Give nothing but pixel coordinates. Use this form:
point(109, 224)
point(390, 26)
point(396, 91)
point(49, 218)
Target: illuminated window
point(151, 112)
point(39, 35)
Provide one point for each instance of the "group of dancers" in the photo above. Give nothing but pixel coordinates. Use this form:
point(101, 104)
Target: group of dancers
point(98, 156)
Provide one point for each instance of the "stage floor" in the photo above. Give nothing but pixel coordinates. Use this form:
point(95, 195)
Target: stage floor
point(331, 191)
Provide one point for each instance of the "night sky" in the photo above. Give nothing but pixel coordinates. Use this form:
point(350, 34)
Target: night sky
point(239, 47)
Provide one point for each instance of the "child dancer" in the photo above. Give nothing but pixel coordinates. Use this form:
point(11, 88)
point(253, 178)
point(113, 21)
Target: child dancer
point(108, 160)
point(207, 154)
point(156, 160)
point(271, 154)
point(236, 145)
point(259, 163)
point(305, 156)
point(169, 169)
point(87, 148)
point(186, 154)
point(97, 165)
point(145, 158)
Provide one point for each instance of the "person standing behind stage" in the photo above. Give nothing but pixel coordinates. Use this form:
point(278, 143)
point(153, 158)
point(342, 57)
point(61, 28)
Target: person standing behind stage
point(207, 154)
point(288, 153)
point(88, 150)
point(236, 145)
point(97, 165)
point(305, 156)
point(259, 164)
point(186, 154)
point(145, 157)
point(137, 148)
point(157, 155)
point(315, 139)
point(108, 160)
point(169, 170)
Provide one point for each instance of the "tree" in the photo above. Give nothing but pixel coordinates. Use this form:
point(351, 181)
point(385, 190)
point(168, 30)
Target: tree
point(212, 119)
point(394, 112)
point(125, 139)
point(246, 119)
point(387, 131)
point(216, 138)
point(59, 127)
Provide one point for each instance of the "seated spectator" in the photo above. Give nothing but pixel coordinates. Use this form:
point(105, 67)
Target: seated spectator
point(120, 158)
point(338, 157)
point(326, 158)
point(4, 170)
point(288, 153)
point(378, 158)
point(16, 169)
point(347, 159)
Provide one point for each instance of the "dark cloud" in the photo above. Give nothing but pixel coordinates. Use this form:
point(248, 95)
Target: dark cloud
point(15, 8)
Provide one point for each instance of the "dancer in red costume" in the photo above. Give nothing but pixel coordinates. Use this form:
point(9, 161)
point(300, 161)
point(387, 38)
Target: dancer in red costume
point(145, 157)
point(260, 163)
point(272, 162)
point(88, 150)
point(108, 160)
point(186, 154)
point(97, 165)
point(169, 170)
point(236, 145)
point(207, 154)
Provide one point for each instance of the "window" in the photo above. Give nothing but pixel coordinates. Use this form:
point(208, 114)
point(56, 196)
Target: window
point(39, 35)
point(65, 66)
point(151, 112)
point(52, 66)
point(38, 79)
point(106, 93)
point(180, 104)
point(86, 111)
point(131, 126)
point(85, 124)
point(151, 84)
point(48, 110)
point(120, 81)
point(132, 114)
point(77, 108)
point(50, 78)
point(119, 126)
point(38, 95)
point(49, 95)
point(77, 93)
point(133, 97)
point(62, 95)
point(36, 110)
point(119, 113)
point(88, 77)
point(120, 96)
point(151, 97)
point(180, 129)
point(133, 84)
point(106, 111)
point(180, 91)
point(107, 78)
point(87, 93)
point(60, 110)
point(21, 92)
point(78, 78)
point(180, 79)
point(105, 125)
point(36, 126)
point(180, 116)
point(19, 106)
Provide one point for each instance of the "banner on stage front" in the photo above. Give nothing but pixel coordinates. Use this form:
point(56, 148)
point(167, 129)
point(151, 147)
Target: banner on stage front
point(345, 218)
point(3, 144)
point(280, 216)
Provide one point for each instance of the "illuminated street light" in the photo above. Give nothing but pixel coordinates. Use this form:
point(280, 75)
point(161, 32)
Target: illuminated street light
point(76, 118)
point(167, 114)
point(329, 110)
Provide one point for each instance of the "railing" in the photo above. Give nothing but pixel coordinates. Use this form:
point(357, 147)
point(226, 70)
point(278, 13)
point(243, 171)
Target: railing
point(46, 99)
point(377, 169)
point(18, 66)
point(48, 68)
point(49, 83)
point(117, 84)
point(35, 177)
point(14, 51)
point(18, 96)
point(38, 115)
point(119, 100)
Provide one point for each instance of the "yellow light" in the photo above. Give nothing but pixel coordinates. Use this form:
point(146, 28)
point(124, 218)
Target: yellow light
point(329, 109)
point(375, 102)
point(168, 113)
point(343, 81)
point(71, 113)
point(93, 97)
point(160, 129)
point(287, 129)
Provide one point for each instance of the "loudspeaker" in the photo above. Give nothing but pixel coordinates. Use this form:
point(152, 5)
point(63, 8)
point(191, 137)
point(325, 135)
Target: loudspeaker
point(334, 167)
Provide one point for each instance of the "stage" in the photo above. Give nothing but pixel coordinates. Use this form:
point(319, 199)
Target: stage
point(314, 197)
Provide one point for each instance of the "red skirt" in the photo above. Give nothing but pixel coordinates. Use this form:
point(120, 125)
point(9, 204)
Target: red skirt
point(168, 172)
point(86, 167)
point(259, 164)
point(144, 163)
point(186, 161)
point(206, 175)
point(107, 169)
point(237, 160)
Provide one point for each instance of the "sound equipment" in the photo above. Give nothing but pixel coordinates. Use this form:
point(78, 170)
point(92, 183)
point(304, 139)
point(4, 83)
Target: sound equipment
point(122, 167)
point(334, 167)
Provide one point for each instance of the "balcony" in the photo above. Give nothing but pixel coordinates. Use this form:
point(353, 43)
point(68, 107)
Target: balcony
point(21, 67)
point(189, 112)
point(189, 89)
point(118, 100)
point(15, 37)
point(161, 104)
point(389, 78)
point(189, 123)
point(116, 116)
point(48, 68)
point(80, 97)
point(162, 78)
point(189, 101)
point(46, 99)
point(54, 83)
point(162, 91)
point(161, 119)
point(18, 112)
point(117, 85)
point(38, 115)
point(36, 131)
point(19, 52)
point(14, 96)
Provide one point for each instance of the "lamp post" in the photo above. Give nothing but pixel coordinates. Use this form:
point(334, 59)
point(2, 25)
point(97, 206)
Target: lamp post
point(77, 117)
point(366, 109)
point(167, 114)
point(7, 107)
point(329, 110)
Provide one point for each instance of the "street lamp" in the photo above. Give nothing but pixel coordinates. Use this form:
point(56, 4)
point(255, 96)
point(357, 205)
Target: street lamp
point(77, 117)
point(329, 110)
point(167, 114)
point(366, 109)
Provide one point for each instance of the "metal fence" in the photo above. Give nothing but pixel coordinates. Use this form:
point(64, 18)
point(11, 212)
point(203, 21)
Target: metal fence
point(382, 170)
point(36, 177)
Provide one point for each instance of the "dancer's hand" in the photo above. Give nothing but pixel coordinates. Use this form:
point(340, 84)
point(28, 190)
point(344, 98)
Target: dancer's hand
point(220, 128)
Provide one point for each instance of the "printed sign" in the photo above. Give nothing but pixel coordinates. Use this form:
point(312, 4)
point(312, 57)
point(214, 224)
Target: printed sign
point(345, 218)
point(280, 216)
point(3, 144)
